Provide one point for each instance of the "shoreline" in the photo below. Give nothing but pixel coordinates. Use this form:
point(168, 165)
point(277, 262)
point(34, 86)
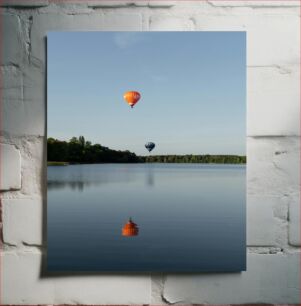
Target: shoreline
point(60, 164)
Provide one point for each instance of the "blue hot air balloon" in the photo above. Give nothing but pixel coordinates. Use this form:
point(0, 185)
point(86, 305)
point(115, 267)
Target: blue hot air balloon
point(150, 146)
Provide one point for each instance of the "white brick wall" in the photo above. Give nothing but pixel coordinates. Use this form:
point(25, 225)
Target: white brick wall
point(270, 278)
point(24, 3)
point(275, 88)
point(13, 44)
point(294, 220)
point(24, 284)
point(273, 148)
point(23, 221)
point(10, 167)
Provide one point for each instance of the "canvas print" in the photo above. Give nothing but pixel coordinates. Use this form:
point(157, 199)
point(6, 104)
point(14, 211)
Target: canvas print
point(146, 151)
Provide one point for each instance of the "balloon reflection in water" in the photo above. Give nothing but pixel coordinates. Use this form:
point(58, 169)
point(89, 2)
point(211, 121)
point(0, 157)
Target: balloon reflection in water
point(130, 229)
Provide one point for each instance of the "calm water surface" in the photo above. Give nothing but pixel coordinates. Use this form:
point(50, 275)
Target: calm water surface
point(191, 217)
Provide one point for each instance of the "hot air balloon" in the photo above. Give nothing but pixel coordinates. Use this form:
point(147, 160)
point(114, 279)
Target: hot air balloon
point(150, 146)
point(131, 97)
point(130, 229)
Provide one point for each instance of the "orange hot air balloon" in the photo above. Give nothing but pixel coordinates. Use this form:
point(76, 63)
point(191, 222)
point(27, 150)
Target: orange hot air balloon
point(131, 97)
point(130, 229)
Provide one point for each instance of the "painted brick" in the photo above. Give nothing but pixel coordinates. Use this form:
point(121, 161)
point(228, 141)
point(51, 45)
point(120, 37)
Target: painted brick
point(22, 221)
point(67, 7)
point(268, 279)
point(23, 105)
point(117, 3)
point(159, 3)
point(24, 3)
point(273, 165)
point(122, 22)
point(24, 102)
point(10, 167)
point(107, 4)
point(250, 3)
point(34, 102)
point(13, 47)
point(22, 283)
point(11, 84)
point(294, 220)
point(261, 224)
point(33, 166)
point(268, 38)
point(170, 23)
point(277, 89)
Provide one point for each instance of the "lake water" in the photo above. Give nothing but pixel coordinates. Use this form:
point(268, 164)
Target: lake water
point(191, 217)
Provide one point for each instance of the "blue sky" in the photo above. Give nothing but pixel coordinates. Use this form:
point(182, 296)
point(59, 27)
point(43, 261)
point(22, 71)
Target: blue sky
point(192, 85)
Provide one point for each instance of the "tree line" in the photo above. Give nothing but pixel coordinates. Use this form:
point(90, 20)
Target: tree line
point(78, 150)
point(189, 158)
